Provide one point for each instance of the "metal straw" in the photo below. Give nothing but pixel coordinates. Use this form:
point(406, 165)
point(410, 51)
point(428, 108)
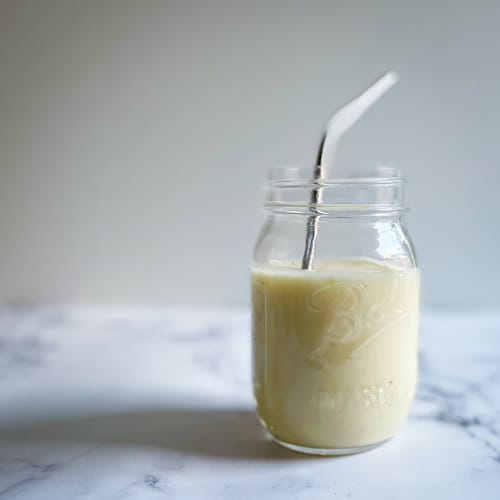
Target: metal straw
point(338, 124)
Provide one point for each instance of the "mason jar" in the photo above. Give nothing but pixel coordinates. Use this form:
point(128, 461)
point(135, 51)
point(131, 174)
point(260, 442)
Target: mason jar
point(334, 342)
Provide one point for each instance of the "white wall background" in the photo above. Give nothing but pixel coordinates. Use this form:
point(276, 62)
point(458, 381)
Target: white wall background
point(135, 136)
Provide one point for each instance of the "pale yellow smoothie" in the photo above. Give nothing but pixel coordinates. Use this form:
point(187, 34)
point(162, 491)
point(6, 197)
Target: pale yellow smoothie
point(334, 351)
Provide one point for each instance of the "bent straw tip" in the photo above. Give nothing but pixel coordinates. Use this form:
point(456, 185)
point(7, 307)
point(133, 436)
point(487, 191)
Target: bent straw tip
point(391, 77)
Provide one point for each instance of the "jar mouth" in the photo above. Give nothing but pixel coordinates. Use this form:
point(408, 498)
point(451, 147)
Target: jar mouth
point(304, 175)
point(368, 192)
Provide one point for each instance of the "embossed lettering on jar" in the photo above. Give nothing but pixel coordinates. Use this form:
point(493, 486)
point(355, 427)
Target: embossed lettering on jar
point(335, 347)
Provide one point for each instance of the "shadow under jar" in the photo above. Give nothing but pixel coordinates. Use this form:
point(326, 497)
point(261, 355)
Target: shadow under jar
point(334, 346)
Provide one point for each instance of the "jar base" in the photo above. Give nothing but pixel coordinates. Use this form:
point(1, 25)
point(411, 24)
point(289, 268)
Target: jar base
point(329, 452)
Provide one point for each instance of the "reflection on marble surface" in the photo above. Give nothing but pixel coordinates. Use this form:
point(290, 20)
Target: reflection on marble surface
point(113, 403)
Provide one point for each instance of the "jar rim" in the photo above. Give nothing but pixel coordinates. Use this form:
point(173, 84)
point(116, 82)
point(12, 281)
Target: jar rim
point(371, 192)
point(304, 175)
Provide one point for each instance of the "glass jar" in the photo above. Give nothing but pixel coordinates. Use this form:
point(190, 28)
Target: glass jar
point(335, 344)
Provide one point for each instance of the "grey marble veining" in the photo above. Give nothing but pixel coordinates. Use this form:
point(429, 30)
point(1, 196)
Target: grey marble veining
point(100, 403)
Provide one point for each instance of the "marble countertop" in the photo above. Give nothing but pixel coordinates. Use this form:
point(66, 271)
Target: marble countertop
point(100, 403)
